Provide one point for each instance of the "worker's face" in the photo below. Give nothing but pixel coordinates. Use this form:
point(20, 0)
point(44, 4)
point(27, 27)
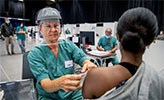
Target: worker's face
point(7, 20)
point(108, 33)
point(50, 31)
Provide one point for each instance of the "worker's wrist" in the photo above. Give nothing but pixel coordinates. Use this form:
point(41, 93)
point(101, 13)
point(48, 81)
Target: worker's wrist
point(85, 62)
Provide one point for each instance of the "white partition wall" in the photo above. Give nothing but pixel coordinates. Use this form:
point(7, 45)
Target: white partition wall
point(88, 27)
point(154, 55)
point(99, 31)
point(69, 27)
point(77, 30)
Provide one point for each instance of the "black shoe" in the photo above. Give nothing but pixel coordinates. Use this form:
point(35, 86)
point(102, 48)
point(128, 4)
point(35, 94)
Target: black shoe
point(8, 53)
point(12, 53)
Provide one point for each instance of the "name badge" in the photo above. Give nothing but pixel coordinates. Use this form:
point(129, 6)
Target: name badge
point(68, 64)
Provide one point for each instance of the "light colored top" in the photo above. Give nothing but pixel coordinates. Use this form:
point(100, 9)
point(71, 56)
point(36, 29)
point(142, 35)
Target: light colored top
point(146, 84)
point(44, 64)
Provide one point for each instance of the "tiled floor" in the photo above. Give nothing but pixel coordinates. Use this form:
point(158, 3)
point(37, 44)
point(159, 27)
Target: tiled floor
point(11, 65)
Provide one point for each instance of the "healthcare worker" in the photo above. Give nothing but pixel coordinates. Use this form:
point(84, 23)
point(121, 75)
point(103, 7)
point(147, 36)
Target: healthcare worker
point(108, 43)
point(7, 31)
point(52, 62)
point(21, 36)
point(132, 78)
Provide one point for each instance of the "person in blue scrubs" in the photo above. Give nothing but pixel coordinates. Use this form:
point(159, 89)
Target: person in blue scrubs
point(108, 43)
point(52, 62)
point(21, 36)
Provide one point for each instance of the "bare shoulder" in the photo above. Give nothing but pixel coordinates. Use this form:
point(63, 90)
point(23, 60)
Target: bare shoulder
point(107, 73)
point(99, 80)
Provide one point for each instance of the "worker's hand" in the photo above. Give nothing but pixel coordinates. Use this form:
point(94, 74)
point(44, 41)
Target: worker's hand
point(70, 82)
point(101, 49)
point(110, 52)
point(21, 32)
point(87, 65)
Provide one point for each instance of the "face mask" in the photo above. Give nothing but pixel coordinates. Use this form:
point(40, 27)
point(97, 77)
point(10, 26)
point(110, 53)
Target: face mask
point(107, 36)
point(8, 22)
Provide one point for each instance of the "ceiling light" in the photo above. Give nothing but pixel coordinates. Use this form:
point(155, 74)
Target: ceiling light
point(52, 0)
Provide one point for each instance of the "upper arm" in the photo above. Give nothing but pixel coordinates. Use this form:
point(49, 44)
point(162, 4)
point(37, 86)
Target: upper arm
point(2, 28)
point(24, 29)
point(99, 80)
point(77, 54)
point(17, 29)
point(37, 65)
point(95, 84)
point(88, 85)
point(100, 41)
point(115, 42)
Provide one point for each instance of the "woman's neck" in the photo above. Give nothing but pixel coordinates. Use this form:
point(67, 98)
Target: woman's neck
point(135, 59)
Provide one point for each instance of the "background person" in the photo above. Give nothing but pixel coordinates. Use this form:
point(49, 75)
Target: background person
point(7, 31)
point(21, 36)
point(32, 33)
point(132, 79)
point(108, 43)
point(52, 62)
point(1, 36)
point(160, 36)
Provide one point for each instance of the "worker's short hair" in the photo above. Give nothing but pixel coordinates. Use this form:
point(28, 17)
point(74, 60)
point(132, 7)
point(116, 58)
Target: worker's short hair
point(109, 30)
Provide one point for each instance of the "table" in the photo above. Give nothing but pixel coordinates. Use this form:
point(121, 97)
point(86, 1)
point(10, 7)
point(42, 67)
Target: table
point(101, 55)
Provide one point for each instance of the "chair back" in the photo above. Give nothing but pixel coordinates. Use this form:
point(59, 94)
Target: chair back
point(26, 72)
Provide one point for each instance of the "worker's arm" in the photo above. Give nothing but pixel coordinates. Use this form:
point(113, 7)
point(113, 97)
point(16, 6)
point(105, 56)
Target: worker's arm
point(99, 48)
point(66, 83)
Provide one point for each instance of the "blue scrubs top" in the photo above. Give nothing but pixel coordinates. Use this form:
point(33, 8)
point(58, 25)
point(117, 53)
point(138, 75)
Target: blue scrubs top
point(44, 64)
point(21, 36)
point(107, 43)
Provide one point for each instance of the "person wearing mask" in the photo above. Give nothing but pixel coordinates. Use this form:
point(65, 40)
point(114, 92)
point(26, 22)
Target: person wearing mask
point(132, 78)
point(21, 36)
point(52, 62)
point(7, 31)
point(108, 43)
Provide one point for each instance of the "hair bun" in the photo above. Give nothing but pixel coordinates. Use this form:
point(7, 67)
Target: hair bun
point(132, 42)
